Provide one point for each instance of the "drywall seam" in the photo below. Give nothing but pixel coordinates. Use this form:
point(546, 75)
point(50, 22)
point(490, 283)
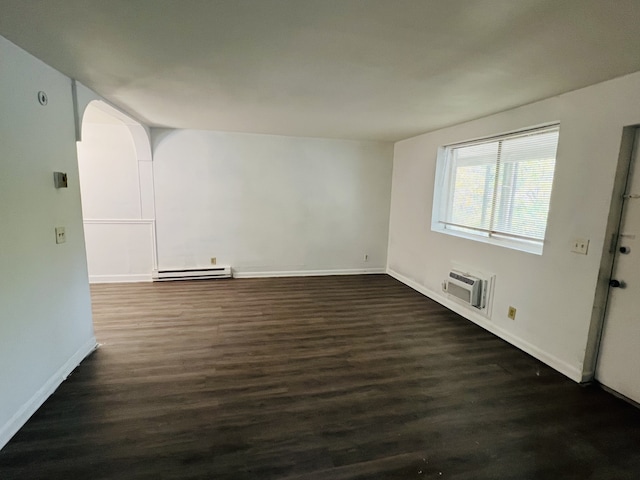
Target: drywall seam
point(561, 366)
point(21, 417)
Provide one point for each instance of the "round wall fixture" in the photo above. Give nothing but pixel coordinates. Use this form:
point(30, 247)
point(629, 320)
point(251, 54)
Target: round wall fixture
point(42, 98)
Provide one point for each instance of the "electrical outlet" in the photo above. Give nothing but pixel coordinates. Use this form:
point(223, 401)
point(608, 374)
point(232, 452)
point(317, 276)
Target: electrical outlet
point(580, 245)
point(213, 260)
point(61, 236)
point(512, 313)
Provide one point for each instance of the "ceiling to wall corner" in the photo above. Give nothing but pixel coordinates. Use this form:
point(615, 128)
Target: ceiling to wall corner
point(375, 69)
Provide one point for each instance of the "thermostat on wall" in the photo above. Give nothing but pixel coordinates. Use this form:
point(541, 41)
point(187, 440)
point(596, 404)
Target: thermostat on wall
point(60, 179)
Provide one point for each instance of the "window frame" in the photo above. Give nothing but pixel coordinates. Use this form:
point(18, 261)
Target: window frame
point(443, 185)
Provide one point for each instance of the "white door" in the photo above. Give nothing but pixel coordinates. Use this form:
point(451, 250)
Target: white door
point(619, 357)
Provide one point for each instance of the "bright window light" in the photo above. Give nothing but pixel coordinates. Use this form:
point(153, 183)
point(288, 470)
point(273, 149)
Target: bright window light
point(498, 189)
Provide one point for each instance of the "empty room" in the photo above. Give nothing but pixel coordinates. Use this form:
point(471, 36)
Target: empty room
point(319, 239)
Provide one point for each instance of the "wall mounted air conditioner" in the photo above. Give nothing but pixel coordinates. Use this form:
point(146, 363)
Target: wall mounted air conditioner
point(466, 288)
point(191, 274)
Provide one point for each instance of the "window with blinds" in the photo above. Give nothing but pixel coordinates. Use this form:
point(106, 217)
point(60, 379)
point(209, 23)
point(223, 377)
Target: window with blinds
point(498, 189)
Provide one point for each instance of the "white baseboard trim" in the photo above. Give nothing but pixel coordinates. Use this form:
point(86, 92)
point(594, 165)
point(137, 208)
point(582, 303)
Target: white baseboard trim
point(308, 273)
point(35, 402)
point(132, 278)
point(554, 362)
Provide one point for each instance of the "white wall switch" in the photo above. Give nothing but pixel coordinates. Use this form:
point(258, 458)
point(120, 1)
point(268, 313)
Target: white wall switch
point(580, 245)
point(61, 236)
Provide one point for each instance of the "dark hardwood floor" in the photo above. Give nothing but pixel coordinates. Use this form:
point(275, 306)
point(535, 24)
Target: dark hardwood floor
point(325, 378)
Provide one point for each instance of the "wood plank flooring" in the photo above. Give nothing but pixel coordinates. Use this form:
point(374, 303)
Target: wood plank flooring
point(331, 378)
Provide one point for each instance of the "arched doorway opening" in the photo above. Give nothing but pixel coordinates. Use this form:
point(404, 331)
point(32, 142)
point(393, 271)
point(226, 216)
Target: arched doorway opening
point(116, 185)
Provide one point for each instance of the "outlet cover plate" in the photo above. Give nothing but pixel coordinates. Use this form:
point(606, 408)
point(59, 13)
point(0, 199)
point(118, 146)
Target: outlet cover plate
point(61, 236)
point(580, 245)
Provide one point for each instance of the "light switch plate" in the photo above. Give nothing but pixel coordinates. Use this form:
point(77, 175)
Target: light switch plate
point(580, 245)
point(61, 236)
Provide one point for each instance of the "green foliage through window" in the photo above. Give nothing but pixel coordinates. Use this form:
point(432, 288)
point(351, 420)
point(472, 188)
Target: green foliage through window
point(500, 187)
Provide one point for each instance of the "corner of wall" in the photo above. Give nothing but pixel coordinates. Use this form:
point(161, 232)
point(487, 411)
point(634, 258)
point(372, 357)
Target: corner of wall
point(8, 430)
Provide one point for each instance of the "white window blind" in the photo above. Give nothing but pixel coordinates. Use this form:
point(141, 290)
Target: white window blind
point(500, 187)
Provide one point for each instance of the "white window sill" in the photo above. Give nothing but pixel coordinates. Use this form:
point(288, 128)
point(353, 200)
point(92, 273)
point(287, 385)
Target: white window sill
point(514, 244)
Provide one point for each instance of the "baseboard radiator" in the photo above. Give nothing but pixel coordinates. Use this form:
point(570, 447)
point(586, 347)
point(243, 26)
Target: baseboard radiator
point(191, 274)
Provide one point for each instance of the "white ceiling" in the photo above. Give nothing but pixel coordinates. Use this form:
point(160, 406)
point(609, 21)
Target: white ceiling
point(361, 69)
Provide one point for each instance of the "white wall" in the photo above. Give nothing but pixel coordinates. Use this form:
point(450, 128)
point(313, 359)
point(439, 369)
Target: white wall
point(267, 204)
point(109, 180)
point(553, 293)
point(118, 218)
point(45, 308)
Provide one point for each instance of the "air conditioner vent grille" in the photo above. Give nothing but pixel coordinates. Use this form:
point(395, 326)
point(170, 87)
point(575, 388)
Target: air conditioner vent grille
point(466, 288)
point(459, 292)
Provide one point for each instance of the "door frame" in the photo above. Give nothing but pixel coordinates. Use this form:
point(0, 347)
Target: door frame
point(628, 144)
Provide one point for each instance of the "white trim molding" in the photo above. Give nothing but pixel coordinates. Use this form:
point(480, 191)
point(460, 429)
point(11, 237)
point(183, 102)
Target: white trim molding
point(554, 362)
point(307, 273)
point(21, 417)
point(129, 278)
point(119, 221)
point(127, 221)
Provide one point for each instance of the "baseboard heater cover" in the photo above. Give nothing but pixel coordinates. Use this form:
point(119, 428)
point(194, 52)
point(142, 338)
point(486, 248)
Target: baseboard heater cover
point(191, 274)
